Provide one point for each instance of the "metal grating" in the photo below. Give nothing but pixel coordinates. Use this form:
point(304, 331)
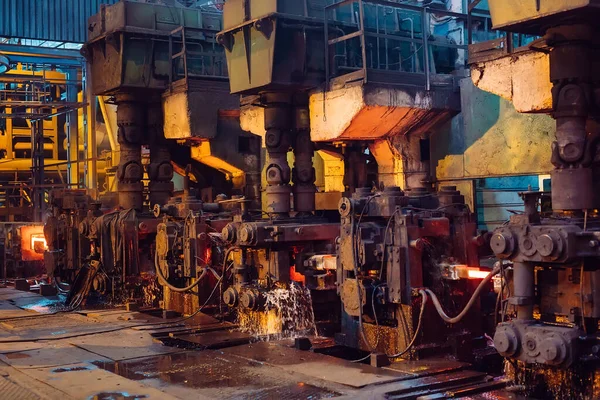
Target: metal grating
point(53, 20)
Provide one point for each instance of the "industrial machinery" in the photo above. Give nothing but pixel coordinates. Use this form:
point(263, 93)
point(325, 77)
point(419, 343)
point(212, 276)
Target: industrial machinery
point(22, 247)
point(288, 239)
point(375, 264)
point(189, 251)
point(158, 64)
point(66, 230)
point(552, 325)
point(390, 244)
point(395, 251)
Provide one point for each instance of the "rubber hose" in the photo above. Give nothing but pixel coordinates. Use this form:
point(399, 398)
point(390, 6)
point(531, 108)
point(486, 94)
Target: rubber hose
point(163, 280)
point(469, 305)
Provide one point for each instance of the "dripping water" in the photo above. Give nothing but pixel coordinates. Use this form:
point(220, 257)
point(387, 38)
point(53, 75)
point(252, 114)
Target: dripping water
point(288, 314)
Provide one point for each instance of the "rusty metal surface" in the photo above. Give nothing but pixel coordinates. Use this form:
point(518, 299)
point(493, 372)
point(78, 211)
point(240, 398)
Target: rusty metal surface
point(318, 366)
point(215, 375)
point(215, 340)
point(12, 391)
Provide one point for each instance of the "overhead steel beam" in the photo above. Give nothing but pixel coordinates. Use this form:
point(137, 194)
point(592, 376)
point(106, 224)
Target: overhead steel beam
point(37, 51)
point(67, 62)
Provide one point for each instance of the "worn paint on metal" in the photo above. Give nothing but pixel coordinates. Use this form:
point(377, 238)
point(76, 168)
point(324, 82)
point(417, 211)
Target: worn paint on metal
point(348, 113)
point(490, 138)
point(496, 196)
point(527, 14)
point(55, 20)
point(522, 79)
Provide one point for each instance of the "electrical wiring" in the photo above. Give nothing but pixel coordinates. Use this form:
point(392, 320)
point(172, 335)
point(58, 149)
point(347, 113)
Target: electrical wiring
point(122, 328)
point(354, 238)
point(164, 282)
point(423, 293)
point(376, 324)
point(225, 269)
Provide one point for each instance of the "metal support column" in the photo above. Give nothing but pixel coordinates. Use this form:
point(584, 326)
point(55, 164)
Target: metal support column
point(90, 130)
point(72, 131)
point(37, 168)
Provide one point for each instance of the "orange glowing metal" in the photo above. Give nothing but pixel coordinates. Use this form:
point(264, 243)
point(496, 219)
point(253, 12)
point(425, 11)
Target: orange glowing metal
point(33, 243)
point(462, 271)
point(473, 273)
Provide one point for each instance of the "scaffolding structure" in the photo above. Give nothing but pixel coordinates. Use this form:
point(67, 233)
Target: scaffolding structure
point(28, 93)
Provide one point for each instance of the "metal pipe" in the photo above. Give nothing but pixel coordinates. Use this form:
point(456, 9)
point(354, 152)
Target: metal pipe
point(524, 289)
point(425, 34)
point(72, 130)
point(412, 45)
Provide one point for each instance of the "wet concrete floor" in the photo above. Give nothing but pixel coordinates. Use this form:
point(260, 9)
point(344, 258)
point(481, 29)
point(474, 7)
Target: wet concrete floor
point(111, 354)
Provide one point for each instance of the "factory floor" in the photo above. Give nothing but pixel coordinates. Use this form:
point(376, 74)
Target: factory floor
point(116, 354)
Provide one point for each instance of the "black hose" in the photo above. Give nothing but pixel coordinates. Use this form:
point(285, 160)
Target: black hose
point(354, 230)
point(423, 294)
point(122, 328)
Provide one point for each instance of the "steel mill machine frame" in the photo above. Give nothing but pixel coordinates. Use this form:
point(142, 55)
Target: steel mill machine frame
point(554, 325)
point(274, 75)
point(390, 244)
point(372, 266)
point(157, 63)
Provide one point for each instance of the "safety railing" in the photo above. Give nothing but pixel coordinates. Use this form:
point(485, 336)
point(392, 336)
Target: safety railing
point(503, 46)
point(195, 54)
point(395, 43)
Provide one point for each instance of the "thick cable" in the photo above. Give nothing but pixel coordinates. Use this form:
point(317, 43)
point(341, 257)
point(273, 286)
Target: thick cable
point(163, 280)
point(354, 230)
point(465, 311)
point(376, 323)
point(423, 294)
point(122, 328)
point(385, 246)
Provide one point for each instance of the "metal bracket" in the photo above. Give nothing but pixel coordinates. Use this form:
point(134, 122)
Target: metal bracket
point(264, 26)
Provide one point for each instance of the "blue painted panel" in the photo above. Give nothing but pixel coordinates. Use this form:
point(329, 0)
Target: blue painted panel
point(497, 197)
point(53, 20)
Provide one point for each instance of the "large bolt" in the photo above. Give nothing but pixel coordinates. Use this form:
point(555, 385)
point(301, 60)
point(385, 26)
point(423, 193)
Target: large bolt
point(506, 341)
point(501, 244)
point(530, 345)
point(228, 234)
point(553, 350)
point(250, 300)
point(545, 245)
point(230, 297)
point(417, 244)
point(246, 234)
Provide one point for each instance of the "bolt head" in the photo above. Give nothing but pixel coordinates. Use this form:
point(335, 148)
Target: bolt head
point(545, 245)
point(499, 243)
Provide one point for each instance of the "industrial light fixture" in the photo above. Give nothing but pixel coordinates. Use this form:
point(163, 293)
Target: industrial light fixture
point(4, 64)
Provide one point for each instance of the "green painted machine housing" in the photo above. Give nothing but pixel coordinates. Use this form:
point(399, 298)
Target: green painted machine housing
point(536, 16)
point(273, 44)
point(131, 46)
